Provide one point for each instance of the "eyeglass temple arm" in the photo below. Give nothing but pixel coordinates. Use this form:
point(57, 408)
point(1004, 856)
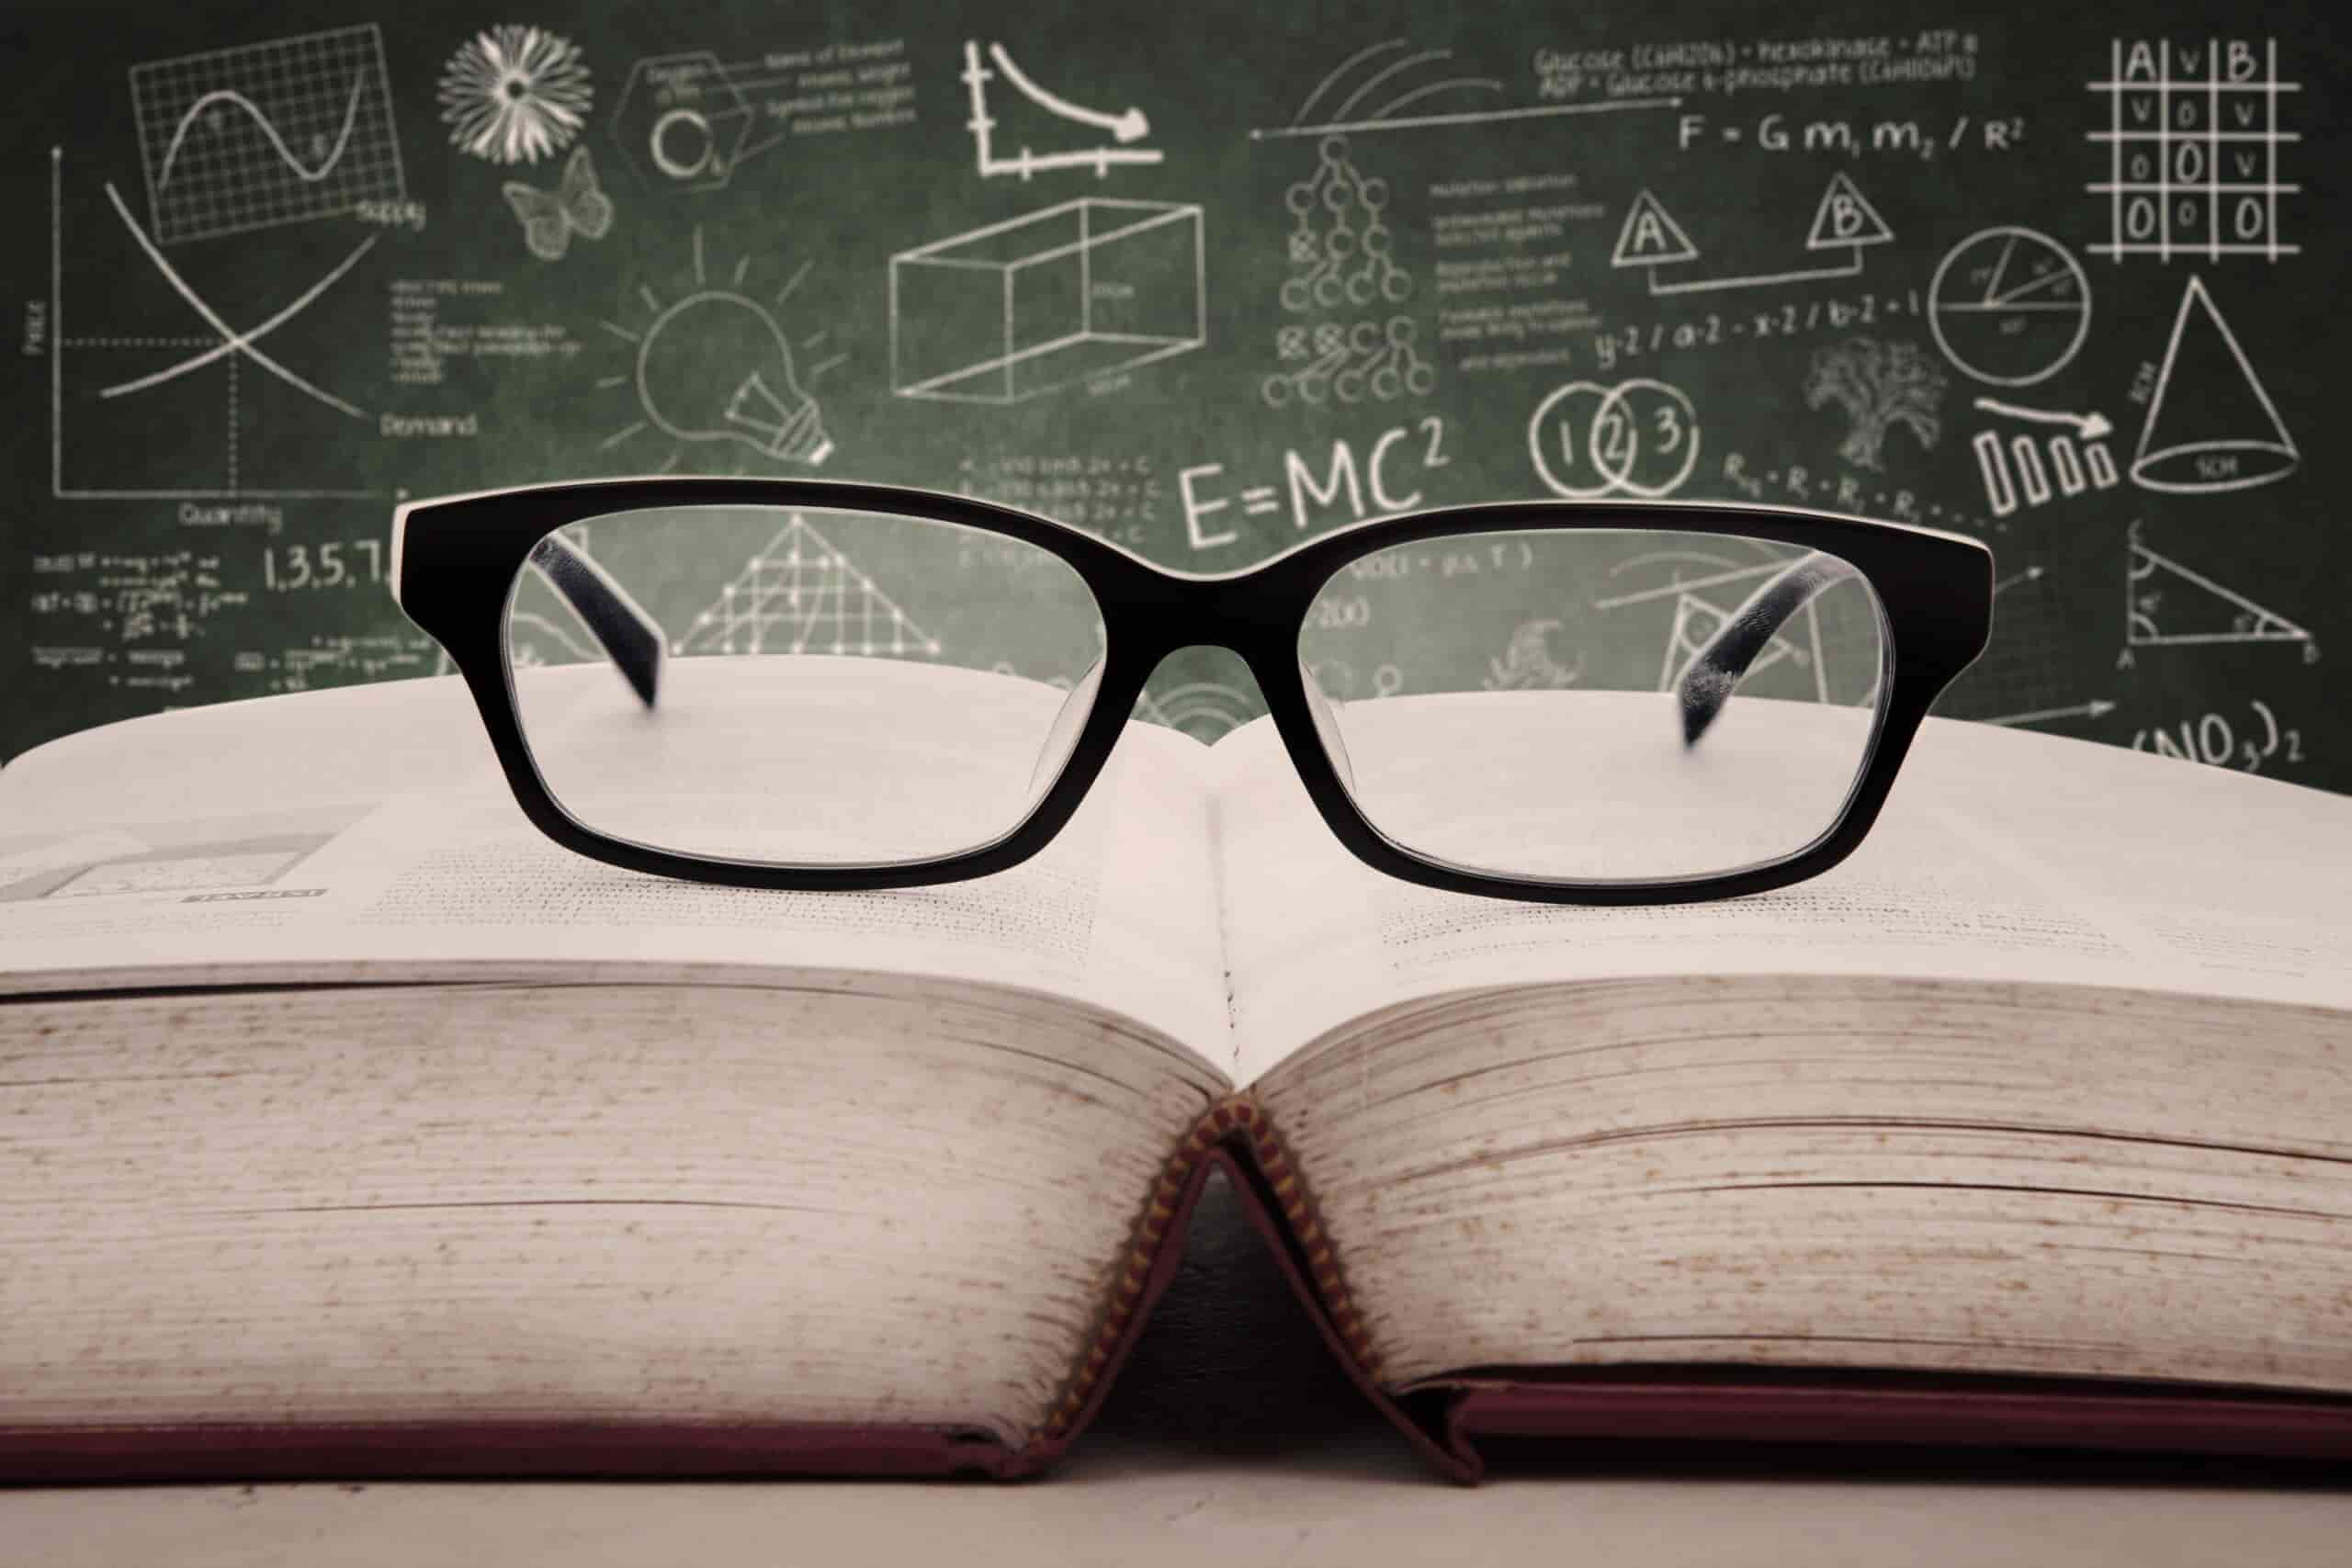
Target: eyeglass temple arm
point(1708, 679)
point(629, 636)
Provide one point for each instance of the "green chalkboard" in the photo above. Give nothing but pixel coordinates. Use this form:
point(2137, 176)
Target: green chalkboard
point(1203, 280)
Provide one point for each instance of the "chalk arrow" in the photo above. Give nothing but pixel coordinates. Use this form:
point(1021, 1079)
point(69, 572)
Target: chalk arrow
point(2098, 708)
point(2090, 427)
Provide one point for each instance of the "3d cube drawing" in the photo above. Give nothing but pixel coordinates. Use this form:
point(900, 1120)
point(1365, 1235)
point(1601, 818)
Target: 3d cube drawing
point(1067, 294)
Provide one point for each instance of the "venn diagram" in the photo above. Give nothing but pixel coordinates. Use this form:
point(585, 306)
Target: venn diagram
point(1639, 438)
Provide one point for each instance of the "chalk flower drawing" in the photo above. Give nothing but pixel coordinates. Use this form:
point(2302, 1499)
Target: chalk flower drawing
point(514, 95)
point(1879, 385)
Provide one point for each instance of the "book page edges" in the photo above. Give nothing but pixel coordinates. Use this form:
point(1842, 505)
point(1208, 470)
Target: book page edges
point(1444, 1418)
point(1234, 1134)
point(1441, 1418)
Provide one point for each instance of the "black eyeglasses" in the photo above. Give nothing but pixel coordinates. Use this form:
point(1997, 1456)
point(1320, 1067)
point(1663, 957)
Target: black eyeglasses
point(842, 686)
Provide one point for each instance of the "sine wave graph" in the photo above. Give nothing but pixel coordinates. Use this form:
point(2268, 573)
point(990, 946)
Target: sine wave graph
point(225, 96)
point(235, 140)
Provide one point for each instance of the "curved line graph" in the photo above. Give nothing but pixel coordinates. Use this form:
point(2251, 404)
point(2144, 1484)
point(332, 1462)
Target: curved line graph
point(276, 141)
point(1372, 75)
point(1426, 57)
point(93, 454)
point(281, 131)
point(231, 340)
point(1349, 63)
point(1127, 126)
point(1393, 105)
point(242, 340)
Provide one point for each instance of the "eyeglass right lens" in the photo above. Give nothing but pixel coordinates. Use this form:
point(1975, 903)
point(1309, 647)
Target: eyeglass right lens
point(791, 686)
point(1595, 705)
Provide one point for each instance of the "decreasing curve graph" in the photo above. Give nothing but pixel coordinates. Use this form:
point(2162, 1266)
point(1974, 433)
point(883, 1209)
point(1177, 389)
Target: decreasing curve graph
point(240, 138)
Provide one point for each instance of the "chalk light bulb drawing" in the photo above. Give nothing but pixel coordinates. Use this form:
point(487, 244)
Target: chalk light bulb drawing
point(717, 364)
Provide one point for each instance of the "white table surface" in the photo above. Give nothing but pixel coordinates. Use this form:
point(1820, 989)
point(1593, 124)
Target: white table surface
point(1363, 1502)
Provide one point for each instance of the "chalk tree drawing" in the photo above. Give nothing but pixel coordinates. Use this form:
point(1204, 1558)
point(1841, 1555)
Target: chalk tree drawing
point(1880, 385)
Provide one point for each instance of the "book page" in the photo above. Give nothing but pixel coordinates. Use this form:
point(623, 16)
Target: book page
point(368, 834)
point(2001, 855)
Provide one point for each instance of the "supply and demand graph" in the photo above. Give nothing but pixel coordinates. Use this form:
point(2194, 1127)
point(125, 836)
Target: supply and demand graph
point(235, 140)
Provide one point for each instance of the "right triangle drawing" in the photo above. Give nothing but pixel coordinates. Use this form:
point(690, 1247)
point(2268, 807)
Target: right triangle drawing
point(2211, 426)
point(2167, 604)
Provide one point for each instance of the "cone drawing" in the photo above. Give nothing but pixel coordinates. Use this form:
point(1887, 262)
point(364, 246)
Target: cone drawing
point(2211, 427)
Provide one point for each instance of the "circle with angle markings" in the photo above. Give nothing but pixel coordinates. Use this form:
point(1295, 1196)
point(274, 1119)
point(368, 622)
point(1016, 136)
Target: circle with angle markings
point(2009, 306)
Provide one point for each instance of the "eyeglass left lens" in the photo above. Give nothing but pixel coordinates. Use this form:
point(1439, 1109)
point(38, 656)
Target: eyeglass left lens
point(791, 687)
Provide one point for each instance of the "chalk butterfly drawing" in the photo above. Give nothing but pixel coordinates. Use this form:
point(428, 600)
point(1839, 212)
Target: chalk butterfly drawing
point(577, 206)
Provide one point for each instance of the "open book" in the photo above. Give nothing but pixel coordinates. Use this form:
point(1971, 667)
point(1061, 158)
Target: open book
point(347, 1126)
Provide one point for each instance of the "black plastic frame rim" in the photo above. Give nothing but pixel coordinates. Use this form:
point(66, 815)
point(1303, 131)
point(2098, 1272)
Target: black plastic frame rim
point(455, 558)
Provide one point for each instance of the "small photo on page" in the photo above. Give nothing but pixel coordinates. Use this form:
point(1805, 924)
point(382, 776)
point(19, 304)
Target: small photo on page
point(247, 852)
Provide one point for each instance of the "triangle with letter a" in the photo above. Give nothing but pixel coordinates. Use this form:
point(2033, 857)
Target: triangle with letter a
point(1651, 237)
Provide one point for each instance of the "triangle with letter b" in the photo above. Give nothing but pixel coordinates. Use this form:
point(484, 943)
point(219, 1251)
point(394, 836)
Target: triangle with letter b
point(1845, 218)
point(1651, 237)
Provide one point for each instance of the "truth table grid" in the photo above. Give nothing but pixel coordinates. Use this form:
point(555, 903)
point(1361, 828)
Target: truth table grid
point(2193, 156)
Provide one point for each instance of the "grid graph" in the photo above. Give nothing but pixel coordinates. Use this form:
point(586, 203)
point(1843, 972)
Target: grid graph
point(801, 595)
point(2193, 141)
point(239, 139)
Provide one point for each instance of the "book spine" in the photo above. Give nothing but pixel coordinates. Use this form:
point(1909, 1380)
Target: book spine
point(1237, 1133)
point(1298, 1206)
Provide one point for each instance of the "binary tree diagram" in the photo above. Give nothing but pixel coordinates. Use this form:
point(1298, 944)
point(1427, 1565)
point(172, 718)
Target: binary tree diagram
point(1342, 335)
